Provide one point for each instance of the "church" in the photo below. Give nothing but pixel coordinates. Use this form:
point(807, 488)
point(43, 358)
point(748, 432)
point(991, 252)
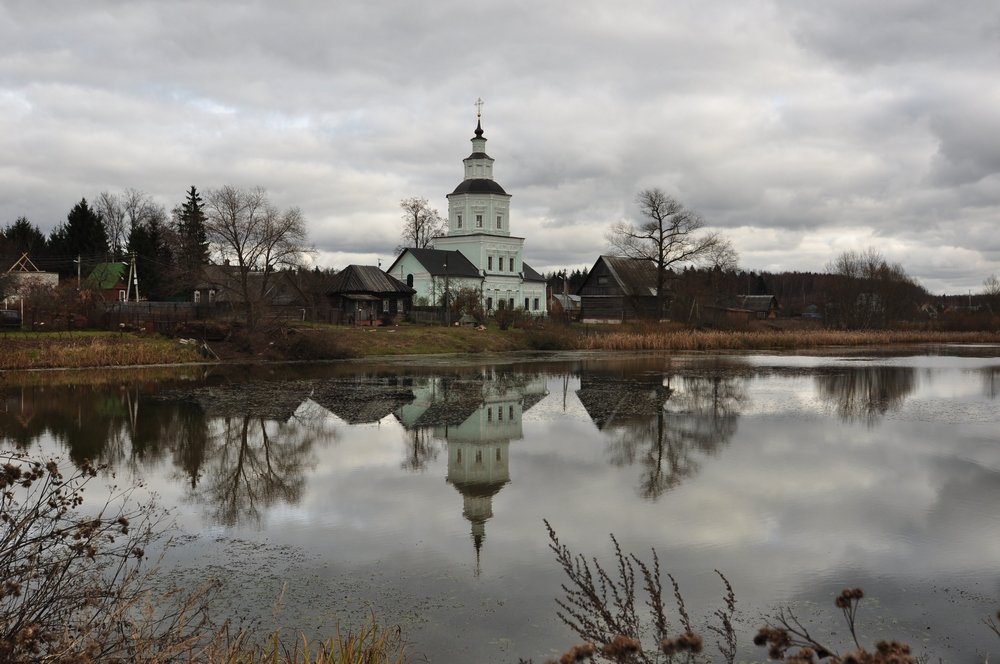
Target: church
point(479, 251)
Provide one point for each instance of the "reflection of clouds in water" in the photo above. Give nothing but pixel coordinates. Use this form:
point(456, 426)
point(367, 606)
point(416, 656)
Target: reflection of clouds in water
point(788, 498)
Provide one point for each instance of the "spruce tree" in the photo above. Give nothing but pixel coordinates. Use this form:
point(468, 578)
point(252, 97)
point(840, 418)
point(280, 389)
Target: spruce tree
point(192, 250)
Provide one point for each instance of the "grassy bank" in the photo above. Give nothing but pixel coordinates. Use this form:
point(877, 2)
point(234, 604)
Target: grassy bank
point(324, 342)
point(47, 350)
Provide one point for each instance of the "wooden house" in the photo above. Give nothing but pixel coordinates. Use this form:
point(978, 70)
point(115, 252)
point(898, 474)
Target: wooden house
point(364, 294)
point(109, 280)
point(761, 307)
point(619, 289)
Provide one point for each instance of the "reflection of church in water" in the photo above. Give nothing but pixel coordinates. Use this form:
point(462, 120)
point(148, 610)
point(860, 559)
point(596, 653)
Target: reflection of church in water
point(478, 417)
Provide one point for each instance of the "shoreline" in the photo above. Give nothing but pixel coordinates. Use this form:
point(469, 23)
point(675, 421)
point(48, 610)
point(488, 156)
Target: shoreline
point(67, 351)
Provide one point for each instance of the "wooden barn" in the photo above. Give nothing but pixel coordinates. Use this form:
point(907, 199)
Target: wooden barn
point(619, 289)
point(364, 294)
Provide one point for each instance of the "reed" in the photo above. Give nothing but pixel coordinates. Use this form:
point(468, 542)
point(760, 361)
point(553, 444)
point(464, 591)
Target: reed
point(723, 340)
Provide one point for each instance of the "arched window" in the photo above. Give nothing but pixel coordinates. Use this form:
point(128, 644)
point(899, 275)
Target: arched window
point(409, 280)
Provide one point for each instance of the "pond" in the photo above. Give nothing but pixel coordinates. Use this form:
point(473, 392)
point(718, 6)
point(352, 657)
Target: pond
point(416, 490)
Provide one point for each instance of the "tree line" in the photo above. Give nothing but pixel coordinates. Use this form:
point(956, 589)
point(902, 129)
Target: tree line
point(237, 226)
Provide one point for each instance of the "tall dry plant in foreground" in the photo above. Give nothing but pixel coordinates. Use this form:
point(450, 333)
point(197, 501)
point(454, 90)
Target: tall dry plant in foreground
point(74, 587)
point(622, 614)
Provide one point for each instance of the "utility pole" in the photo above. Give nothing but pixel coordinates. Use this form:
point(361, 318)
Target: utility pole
point(447, 309)
point(77, 261)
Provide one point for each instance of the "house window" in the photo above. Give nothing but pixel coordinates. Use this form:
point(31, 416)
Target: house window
point(526, 301)
point(211, 295)
point(121, 296)
point(499, 221)
point(602, 281)
point(409, 280)
point(459, 219)
point(197, 297)
point(489, 304)
point(385, 305)
point(489, 263)
point(479, 221)
point(501, 264)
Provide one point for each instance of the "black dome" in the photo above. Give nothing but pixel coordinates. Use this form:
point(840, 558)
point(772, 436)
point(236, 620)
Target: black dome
point(479, 186)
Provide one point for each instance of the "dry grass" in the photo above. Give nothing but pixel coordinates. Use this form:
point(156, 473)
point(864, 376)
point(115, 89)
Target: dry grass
point(718, 340)
point(90, 349)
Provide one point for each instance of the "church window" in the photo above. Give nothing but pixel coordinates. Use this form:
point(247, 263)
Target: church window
point(512, 303)
point(499, 221)
point(489, 414)
point(498, 454)
point(489, 263)
point(409, 280)
point(500, 414)
point(501, 264)
point(489, 304)
point(536, 304)
point(510, 413)
point(479, 456)
point(458, 456)
point(526, 301)
point(459, 220)
point(479, 221)
point(501, 303)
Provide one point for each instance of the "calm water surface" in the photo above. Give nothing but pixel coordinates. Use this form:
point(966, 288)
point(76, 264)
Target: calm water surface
point(417, 490)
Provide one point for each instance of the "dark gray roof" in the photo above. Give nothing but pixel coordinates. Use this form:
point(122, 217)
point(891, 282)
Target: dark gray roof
point(480, 155)
point(433, 261)
point(366, 279)
point(636, 276)
point(478, 186)
point(530, 274)
point(756, 302)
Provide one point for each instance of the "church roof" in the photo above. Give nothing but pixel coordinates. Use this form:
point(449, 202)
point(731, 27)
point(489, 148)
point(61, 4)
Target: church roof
point(478, 186)
point(433, 261)
point(479, 155)
point(530, 274)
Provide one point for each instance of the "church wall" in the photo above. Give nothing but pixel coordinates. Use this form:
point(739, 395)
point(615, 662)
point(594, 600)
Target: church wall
point(469, 205)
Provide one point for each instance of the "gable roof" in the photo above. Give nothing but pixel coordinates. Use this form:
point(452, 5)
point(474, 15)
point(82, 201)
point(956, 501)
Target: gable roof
point(433, 260)
point(756, 302)
point(530, 274)
point(635, 276)
point(366, 279)
point(106, 276)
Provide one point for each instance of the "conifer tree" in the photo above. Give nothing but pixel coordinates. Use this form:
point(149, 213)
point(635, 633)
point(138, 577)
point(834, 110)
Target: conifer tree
point(192, 250)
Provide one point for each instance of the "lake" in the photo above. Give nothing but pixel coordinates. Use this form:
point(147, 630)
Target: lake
point(416, 489)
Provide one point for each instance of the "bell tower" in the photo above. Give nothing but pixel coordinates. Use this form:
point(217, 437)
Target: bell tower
point(479, 204)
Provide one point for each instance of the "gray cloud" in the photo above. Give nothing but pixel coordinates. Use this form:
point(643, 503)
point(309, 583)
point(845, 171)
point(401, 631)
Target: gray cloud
point(813, 126)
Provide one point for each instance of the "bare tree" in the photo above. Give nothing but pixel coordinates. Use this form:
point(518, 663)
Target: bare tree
point(991, 289)
point(668, 235)
point(421, 223)
point(123, 213)
point(112, 212)
point(246, 229)
point(871, 291)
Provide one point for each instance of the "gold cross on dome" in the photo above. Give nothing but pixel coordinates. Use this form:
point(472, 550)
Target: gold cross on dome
point(479, 107)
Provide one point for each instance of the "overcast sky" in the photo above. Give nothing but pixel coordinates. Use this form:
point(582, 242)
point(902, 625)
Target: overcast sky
point(799, 128)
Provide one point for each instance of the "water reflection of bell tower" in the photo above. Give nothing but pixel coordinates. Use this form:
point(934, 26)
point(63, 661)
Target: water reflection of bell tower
point(478, 469)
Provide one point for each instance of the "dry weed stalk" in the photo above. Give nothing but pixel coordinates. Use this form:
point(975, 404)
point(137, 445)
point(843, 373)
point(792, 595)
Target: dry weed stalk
point(614, 613)
point(787, 639)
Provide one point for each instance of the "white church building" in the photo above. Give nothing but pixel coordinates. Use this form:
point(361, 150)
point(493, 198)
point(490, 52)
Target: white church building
point(478, 251)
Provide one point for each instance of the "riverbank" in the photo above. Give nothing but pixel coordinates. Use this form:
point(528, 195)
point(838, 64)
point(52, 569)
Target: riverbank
point(49, 350)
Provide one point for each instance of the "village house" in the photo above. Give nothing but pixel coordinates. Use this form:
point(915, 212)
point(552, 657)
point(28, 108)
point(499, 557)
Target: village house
point(365, 294)
point(619, 289)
